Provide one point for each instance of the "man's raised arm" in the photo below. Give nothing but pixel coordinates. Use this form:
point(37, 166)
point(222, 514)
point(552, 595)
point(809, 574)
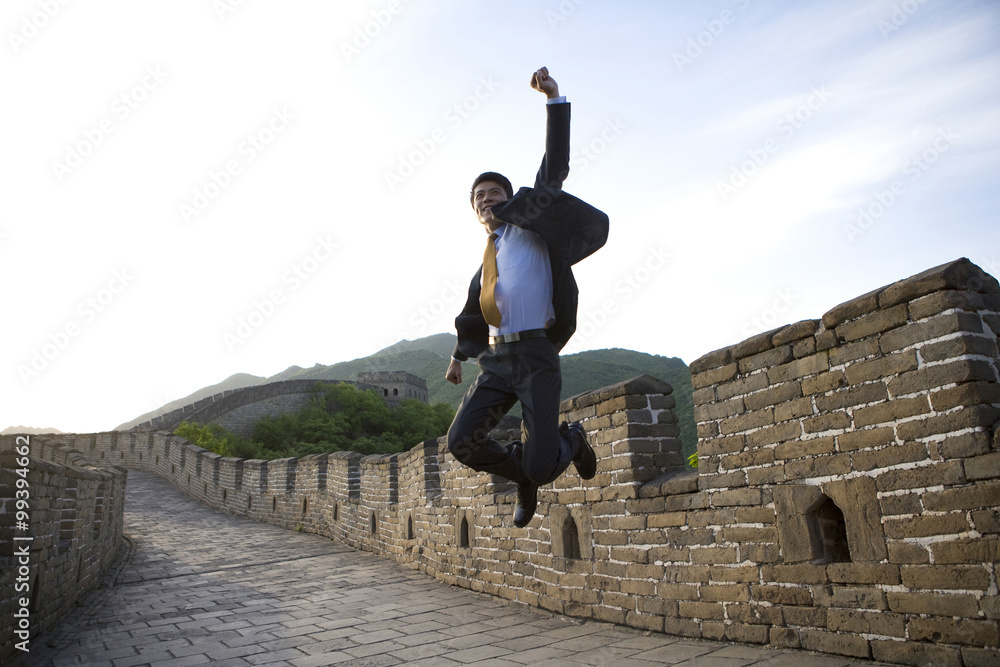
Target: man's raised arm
point(555, 163)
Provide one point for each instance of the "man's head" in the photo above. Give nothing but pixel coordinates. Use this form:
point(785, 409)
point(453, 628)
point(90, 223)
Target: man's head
point(499, 179)
point(488, 190)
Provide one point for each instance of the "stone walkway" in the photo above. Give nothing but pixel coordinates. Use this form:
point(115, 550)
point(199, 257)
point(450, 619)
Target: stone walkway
point(198, 586)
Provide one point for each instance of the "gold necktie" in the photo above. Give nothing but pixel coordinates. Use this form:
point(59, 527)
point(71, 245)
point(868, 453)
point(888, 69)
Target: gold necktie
point(487, 299)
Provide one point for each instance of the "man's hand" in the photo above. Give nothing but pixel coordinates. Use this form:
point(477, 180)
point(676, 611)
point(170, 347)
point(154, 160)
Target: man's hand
point(454, 373)
point(541, 81)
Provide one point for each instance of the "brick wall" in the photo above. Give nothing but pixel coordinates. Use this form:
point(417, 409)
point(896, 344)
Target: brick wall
point(861, 451)
point(75, 528)
point(847, 498)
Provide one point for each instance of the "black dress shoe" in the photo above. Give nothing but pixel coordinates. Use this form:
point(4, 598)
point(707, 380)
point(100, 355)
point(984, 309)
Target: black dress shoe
point(527, 502)
point(585, 461)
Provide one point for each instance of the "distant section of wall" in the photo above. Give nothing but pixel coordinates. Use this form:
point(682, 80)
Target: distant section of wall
point(70, 535)
point(847, 498)
point(239, 410)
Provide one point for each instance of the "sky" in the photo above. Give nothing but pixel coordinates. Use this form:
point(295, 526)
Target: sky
point(200, 188)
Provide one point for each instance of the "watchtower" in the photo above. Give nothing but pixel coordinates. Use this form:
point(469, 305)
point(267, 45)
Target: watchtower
point(396, 386)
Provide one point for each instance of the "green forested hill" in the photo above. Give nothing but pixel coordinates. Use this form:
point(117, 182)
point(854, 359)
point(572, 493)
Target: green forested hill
point(428, 358)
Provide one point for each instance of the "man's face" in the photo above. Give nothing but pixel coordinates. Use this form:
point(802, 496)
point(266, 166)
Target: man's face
point(486, 195)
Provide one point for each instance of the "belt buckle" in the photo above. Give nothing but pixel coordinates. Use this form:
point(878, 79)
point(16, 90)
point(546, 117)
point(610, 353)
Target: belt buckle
point(503, 339)
point(516, 337)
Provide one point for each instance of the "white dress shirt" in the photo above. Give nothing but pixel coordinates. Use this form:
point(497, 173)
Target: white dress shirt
point(524, 281)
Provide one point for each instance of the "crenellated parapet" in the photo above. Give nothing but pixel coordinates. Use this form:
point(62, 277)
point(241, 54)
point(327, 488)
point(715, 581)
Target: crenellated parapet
point(846, 498)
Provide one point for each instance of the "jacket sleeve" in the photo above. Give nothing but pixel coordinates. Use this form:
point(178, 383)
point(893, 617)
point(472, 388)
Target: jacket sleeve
point(555, 162)
point(470, 325)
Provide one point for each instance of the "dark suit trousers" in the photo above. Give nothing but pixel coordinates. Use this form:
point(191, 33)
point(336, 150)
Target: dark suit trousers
point(527, 371)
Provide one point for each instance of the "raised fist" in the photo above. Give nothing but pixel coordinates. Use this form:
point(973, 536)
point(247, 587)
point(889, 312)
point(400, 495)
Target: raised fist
point(541, 81)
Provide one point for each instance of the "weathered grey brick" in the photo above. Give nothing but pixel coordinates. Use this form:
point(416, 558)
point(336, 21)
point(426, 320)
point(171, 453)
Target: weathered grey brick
point(800, 368)
point(891, 411)
point(873, 323)
point(936, 327)
point(774, 395)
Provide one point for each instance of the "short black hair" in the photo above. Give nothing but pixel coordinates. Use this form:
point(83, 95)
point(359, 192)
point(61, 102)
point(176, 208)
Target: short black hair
point(496, 178)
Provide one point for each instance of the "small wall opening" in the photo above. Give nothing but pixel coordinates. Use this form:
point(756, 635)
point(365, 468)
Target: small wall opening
point(832, 531)
point(570, 539)
point(336, 511)
point(225, 494)
point(305, 505)
point(374, 523)
point(812, 526)
point(463, 533)
point(274, 503)
point(409, 527)
point(249, 503)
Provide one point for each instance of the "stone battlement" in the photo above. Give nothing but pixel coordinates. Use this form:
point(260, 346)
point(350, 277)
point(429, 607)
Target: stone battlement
point(847, 498)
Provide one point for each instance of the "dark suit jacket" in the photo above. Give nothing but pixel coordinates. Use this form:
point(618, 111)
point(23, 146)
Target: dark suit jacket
point(571, 229)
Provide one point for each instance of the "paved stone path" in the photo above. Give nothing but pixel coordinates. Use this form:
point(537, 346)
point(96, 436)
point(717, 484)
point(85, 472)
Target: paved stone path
point(199, 586)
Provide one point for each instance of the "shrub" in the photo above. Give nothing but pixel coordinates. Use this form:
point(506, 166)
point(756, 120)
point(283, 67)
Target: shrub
point(214, 438)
